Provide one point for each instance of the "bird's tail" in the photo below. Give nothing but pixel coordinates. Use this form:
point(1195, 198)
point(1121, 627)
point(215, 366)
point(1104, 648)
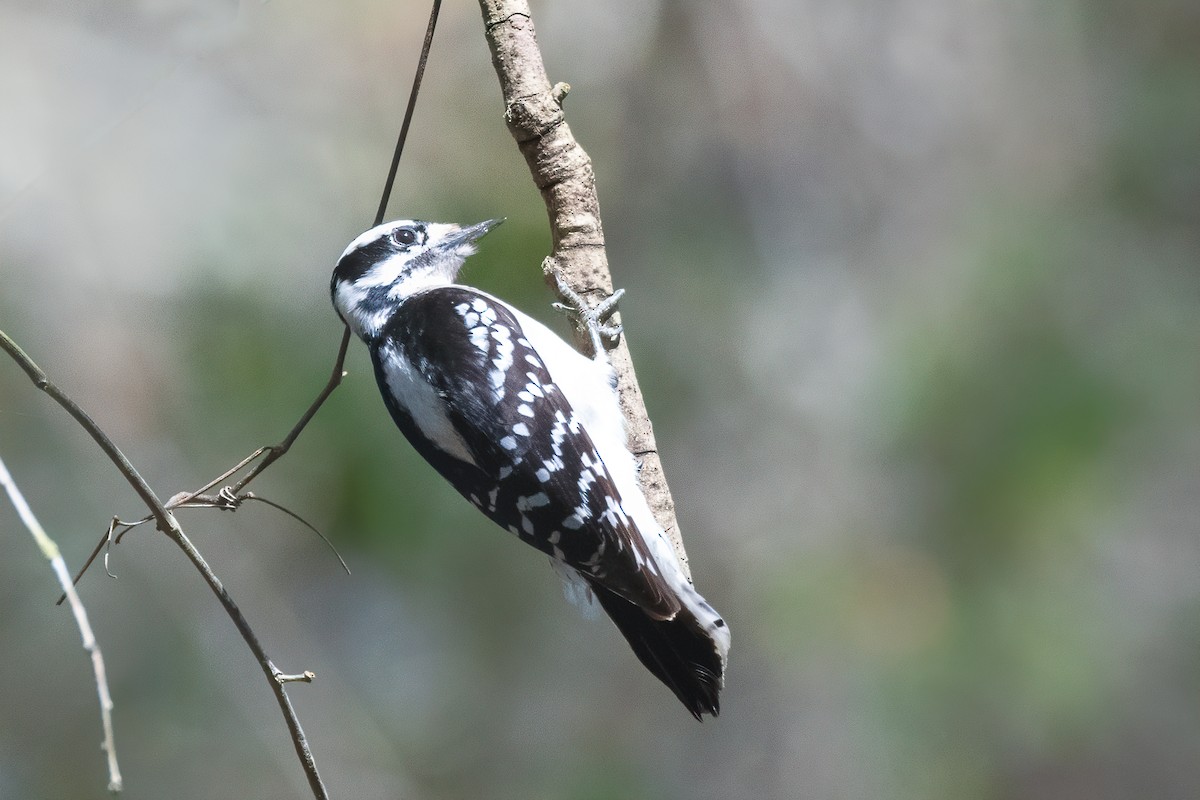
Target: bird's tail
point(686, 652)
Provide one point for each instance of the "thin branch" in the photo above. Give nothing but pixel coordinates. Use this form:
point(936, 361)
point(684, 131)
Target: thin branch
point(164, 518)
point(51, 552)
point(408, 112)
point(304, 677)
point(105, 541)
point(252, 496)
point(563, 173)
point(276, 452)
point(225, 500)
point(166, 522)
point(272, 453)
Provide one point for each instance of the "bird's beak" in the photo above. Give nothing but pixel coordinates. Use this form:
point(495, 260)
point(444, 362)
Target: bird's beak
point(470, 233)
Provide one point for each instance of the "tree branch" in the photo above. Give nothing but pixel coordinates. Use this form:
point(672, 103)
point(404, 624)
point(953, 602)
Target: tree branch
point(277, 451)
point(563, 174)
point(228, 497)
point(166, 522)
point(50, 550)
point(272, 453)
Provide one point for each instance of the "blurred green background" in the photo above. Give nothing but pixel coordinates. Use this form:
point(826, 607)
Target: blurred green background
point(913, 293)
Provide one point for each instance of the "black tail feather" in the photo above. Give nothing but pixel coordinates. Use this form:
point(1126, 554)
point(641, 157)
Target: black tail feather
point(678, 651)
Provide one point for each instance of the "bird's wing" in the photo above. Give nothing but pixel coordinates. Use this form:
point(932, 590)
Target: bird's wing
point(541, 475)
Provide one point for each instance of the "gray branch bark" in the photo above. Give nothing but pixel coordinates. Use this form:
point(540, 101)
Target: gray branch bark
point(165, 521)
point(563, 174)
point(50, 550)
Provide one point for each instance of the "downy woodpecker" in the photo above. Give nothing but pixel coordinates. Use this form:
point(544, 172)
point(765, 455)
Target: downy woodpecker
point(529, 430)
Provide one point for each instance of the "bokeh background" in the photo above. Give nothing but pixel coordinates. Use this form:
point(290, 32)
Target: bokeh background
point(913, 293)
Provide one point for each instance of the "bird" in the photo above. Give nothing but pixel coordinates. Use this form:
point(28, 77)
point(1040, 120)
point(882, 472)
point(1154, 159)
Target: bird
point(529, 430)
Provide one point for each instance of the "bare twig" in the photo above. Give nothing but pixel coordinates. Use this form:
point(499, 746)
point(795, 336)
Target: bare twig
point(252, 496)
point(303, 677)
point(274, 452)
point(165, 521)
point(408, 113)
point(51, 552)
point(230, 496)
point(563, 173)
point(225, 500)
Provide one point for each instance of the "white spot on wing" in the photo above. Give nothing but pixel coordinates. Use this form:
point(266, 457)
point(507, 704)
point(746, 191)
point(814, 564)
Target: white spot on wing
point(586, 385)
point(532, 501)
point(479, 338)
point(504, 356)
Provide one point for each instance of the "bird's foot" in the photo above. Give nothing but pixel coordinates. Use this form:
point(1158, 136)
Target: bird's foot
point(596, 320)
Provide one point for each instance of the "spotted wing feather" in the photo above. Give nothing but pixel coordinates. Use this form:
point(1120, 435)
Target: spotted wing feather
point(535, 470)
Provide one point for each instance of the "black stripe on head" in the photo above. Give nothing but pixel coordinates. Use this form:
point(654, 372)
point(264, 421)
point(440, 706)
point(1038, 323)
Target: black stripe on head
point(356, 263)
point(399, 239)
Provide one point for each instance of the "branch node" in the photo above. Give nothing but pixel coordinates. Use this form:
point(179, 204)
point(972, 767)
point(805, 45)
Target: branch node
point(303, 677)
point(533, 117)
point(229, 501)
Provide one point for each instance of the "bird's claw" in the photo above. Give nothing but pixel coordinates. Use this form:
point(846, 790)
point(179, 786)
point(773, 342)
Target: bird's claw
point(596, 320)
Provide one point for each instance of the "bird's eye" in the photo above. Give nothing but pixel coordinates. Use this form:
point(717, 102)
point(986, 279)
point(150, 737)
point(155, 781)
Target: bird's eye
point(404, 236)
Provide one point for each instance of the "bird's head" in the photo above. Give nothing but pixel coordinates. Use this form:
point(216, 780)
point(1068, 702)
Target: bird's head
point(394, 261)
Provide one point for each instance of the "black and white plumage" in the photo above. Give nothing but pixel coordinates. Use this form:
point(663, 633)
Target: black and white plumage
point(530, 431)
